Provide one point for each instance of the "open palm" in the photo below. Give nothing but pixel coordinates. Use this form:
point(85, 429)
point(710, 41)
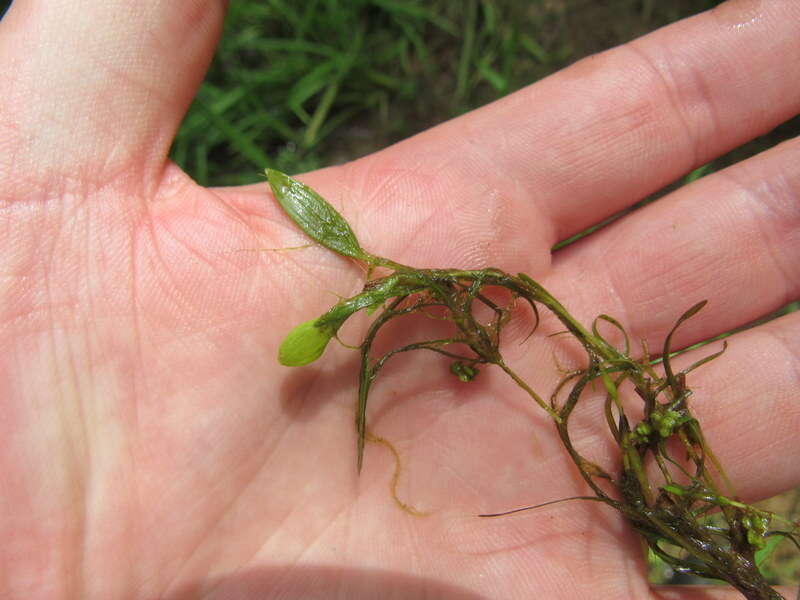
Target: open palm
point(153, 447)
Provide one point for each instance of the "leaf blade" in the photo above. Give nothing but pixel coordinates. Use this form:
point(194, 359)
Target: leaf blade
point(314, 215)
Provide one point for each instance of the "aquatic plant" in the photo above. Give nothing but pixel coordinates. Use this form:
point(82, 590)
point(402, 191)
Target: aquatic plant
point(671, 506)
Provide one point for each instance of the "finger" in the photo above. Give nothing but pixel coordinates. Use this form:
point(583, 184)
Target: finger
point(90, 88)
point(746, 402)
point(731, 238)
point(566, 152)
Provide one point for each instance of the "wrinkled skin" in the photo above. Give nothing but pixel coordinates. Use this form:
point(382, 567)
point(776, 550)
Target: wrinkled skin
point(154, 448)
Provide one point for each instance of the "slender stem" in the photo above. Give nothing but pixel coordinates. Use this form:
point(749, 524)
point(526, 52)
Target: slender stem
point(521, 383)
point(661, 513)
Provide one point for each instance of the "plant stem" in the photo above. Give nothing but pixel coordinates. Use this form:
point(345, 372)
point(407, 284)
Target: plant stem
point(521, 383)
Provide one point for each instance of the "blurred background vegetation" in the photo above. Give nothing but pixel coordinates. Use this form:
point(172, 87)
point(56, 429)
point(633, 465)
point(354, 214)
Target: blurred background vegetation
point(301, 85)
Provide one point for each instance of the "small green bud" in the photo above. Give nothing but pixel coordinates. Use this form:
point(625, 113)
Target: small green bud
point(304, 344)
point(665, 421)
point(756, 523)
point(755, 539)
point(463, 371)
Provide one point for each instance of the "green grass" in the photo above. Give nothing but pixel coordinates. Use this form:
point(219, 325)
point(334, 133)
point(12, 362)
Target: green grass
point(297, 86)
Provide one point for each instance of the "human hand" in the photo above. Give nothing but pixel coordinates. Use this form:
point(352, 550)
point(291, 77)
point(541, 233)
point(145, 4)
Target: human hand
point(154, 448)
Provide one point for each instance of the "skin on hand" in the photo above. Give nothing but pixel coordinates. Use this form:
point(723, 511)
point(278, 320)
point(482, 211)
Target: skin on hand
point(153, 447)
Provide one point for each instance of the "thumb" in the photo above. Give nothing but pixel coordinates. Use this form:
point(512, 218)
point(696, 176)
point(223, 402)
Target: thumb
point(93, 88)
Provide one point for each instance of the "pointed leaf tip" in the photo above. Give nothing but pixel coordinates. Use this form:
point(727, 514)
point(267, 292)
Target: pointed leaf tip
point(314, 215)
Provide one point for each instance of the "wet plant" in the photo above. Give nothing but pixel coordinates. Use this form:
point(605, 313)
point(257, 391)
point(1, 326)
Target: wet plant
point(668, 484)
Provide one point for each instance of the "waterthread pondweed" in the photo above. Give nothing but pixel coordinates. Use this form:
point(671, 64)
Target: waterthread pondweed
point(671, 510)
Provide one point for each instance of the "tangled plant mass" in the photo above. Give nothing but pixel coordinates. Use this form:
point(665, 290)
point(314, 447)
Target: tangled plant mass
point(673, 510)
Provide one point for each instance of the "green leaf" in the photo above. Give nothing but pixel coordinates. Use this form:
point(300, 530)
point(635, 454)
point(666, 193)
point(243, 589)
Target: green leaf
point(616, 324)
point(665, 354)
point(312, 213)
point(767, 548)
point(313, 82)
point(495, 79)
point(535, 49)
point(238, 139)
point(698, 173)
